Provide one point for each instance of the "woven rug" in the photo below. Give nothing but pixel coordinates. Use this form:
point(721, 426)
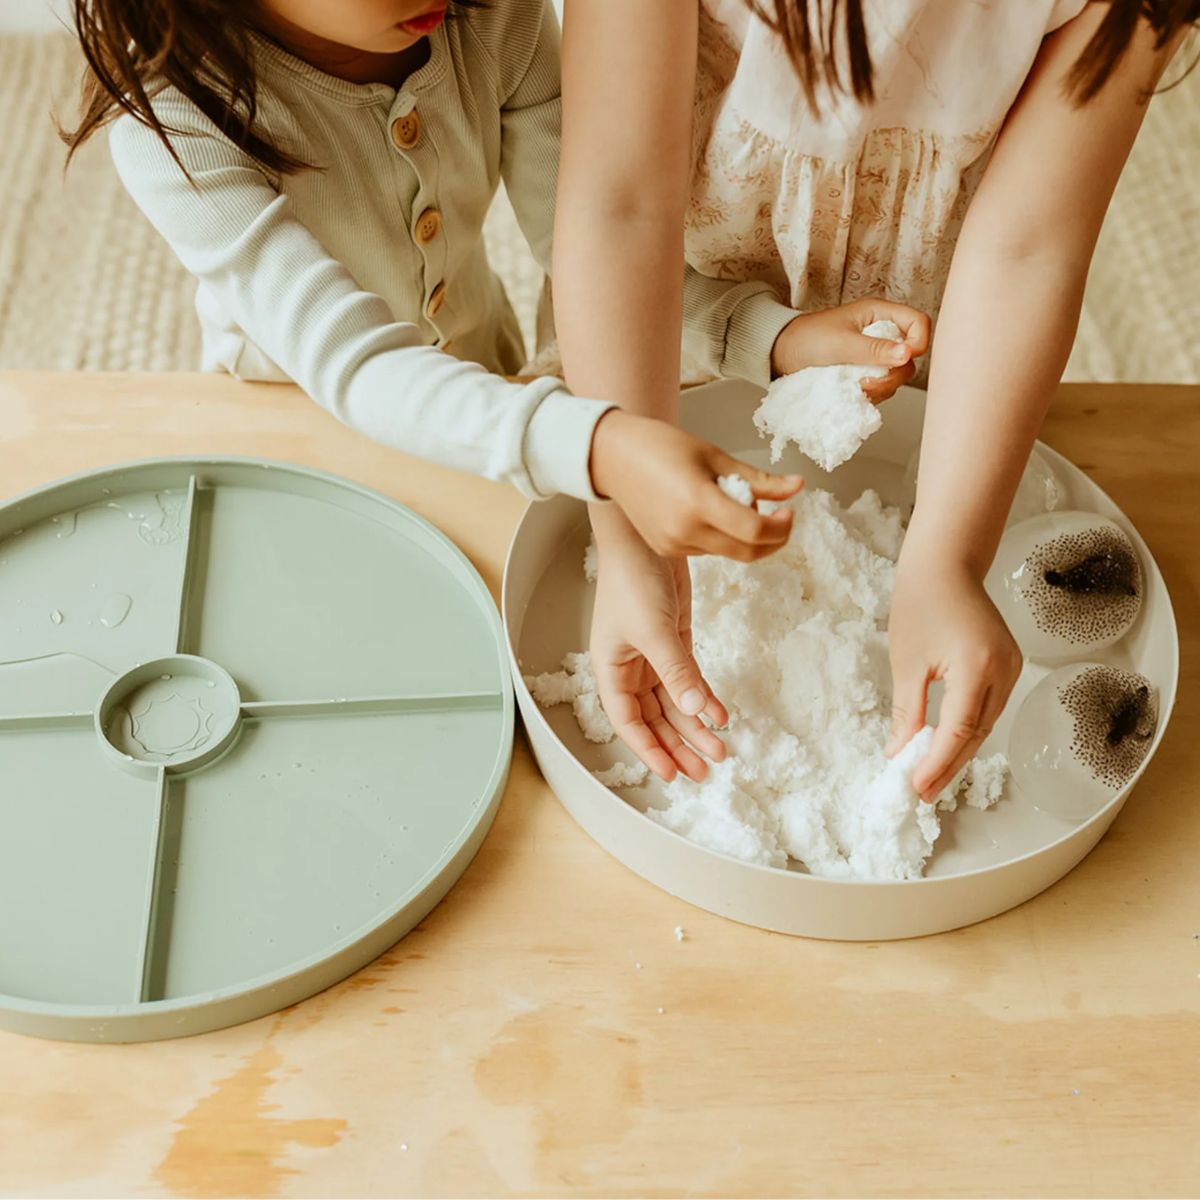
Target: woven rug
point(85, 283)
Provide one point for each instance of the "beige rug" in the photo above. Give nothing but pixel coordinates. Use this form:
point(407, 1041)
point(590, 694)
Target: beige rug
point(85, 283)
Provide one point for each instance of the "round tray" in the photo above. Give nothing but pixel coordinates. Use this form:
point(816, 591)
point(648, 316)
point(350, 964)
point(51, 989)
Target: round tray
point(984, 862)
point(254, 723)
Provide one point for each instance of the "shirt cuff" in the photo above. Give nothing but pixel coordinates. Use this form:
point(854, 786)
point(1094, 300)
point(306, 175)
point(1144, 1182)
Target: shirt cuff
point(753, 327)
point(558, 445)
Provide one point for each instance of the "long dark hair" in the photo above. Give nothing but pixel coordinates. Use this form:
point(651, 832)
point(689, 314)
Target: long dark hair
point(826, 41)
point(134, 48)
point(201, 47)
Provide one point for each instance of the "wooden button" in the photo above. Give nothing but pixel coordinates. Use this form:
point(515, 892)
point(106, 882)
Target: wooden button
point(406, 131)
point(427, 227)
point(436, 299)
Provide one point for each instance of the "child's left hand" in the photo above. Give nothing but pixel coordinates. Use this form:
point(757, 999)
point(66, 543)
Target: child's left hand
point(822, 339)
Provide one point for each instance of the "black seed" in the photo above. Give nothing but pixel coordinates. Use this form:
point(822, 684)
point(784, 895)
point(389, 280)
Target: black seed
point(1129, 717)
point(1109, 573)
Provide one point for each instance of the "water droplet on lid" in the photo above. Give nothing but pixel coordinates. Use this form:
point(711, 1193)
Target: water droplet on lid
point(56, 617)
point(65, 523)
point(115, 609)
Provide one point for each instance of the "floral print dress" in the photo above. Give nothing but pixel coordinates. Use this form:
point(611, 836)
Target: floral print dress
point(855, 200)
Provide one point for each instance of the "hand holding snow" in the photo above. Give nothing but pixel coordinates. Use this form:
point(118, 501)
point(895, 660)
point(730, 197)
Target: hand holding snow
point(795, 646)
point(823, 409)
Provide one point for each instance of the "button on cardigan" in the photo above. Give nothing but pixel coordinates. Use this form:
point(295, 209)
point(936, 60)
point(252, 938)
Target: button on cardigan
point(364, 278)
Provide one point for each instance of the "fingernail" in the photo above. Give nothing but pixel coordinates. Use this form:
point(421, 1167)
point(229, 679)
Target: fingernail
point(692, 701)
point(899, 354)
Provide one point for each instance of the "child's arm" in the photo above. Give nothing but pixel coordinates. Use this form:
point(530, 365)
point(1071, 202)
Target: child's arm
point(1009, 316)
point(341, 344)
point(620, 303)
point(729, 328)
point(628, 85)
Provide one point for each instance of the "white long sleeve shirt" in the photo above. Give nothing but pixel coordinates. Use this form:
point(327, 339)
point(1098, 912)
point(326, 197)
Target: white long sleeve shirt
point(365, 279)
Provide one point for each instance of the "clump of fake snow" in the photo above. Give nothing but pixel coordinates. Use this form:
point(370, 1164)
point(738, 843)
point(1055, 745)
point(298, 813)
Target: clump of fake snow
point(623, 775)
point(574, 684)
point(823, 409)
point(736, 488)
point(795, 646)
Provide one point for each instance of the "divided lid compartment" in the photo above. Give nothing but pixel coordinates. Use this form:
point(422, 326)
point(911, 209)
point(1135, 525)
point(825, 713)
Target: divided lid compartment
point(254, 722)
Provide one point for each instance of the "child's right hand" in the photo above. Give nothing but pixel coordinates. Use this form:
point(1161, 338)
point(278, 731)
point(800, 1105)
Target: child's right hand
point(665, 481)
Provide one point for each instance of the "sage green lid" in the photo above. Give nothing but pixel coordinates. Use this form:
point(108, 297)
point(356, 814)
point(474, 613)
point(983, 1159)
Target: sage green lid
point(255, 721)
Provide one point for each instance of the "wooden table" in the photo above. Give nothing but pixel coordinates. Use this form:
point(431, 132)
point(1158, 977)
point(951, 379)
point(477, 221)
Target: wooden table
point(510, 1044)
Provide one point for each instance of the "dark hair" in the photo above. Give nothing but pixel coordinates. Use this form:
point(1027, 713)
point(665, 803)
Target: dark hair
point(201, 47)
point(826, 41)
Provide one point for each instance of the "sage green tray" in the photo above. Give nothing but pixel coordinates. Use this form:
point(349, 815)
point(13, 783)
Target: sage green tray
point(254, 723)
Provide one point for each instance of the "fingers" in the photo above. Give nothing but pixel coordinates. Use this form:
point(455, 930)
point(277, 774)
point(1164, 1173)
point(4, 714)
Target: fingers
point(748, 525)
point(884, 387)
point(913, 324)
point(692, 729)
point(909, 690)
point(960, 732)
point(850, 345)
point(740, 531)
point(624, 710)
point(763, 484)
point(686, 759)
point(654, 725)
point(679, 675)
point(715, 523)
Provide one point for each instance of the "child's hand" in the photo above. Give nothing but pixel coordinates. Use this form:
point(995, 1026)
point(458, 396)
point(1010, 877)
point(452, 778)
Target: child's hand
point(665, 481)
point(943, 626)
point(822, 339)
point(649, 683)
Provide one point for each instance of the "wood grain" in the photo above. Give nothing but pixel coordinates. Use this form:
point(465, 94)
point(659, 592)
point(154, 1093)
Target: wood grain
point(513, 1044)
